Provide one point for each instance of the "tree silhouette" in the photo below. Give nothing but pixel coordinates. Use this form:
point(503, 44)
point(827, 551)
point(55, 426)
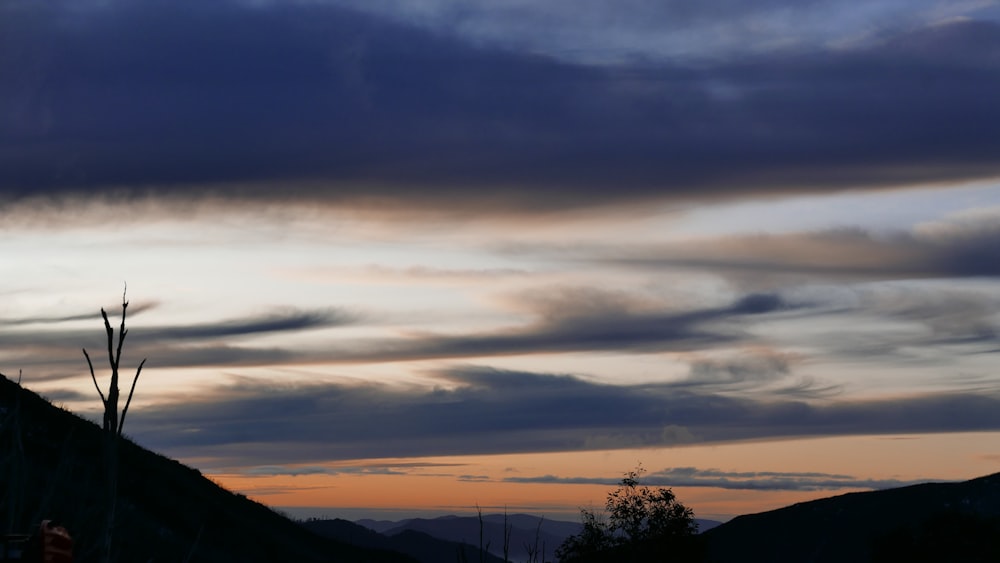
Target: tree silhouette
point(113, 421)
point(642, 524)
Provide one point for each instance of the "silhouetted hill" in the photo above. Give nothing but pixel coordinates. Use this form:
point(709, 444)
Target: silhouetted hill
point(420, 546)
point(524, 529)
point(51, 467)
point(927, 522)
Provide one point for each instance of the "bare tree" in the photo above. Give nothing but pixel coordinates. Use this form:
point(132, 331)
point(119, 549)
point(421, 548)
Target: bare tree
point(113, 421)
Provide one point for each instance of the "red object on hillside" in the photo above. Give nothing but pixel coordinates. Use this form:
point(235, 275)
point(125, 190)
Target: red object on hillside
point(57, 546)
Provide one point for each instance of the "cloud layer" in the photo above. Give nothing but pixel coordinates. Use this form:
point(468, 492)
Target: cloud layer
point(484, 411)
point(742, 480)
point(313, 102)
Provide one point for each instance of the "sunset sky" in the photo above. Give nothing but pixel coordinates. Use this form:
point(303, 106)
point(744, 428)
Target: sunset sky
point(389, 258)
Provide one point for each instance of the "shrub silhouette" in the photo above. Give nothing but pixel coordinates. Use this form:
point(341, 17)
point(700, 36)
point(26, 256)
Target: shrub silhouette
point(641, 524)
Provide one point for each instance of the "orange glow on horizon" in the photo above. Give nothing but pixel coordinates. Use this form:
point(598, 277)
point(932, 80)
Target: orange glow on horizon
point(460, 484)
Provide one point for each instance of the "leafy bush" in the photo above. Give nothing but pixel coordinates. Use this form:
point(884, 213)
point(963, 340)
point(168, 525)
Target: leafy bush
point(641, 524)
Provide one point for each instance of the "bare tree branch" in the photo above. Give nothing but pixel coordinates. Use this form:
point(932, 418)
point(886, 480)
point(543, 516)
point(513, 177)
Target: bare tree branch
point(121, 421)
point(121, 332)
point(94, 377)
point(111, 338)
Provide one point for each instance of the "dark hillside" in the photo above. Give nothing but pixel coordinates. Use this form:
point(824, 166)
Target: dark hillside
point(50, 463)
point(467, 529)
point(938, 521)
point(420, 546)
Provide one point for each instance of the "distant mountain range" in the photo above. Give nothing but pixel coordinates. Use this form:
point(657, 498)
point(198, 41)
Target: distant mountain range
point(425, 548)
point(50, 464)
point(527, 533)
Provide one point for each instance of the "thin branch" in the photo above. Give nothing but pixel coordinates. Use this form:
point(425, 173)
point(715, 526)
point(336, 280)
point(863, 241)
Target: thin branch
point(121, 421)
point(94, 377)
point(111, 338)
point(121, 333)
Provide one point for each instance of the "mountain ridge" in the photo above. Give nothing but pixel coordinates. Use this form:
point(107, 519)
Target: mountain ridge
point(870, 526)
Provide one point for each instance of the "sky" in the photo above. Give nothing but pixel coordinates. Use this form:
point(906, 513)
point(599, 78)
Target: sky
point(397, 258)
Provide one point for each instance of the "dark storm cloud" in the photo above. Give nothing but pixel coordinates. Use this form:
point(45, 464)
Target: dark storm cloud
point(309, 101)
point(486, 411)
point(743, 480)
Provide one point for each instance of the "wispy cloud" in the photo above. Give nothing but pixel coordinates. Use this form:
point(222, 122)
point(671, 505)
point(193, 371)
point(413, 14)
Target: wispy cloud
point(179, 345)
point(568, 321)
point(743, 480)
point(609, 30)
point(396, 468)
point(88, 316)
point(281, 321)
point(845, 254)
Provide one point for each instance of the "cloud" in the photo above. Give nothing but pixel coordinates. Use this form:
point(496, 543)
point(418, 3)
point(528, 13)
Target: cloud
point(951, 315)
point(312, 103)
point(566, 320)
point(280, 470)
point(574, 320)
point(56, 349)
point(746, 480)
point(396, 468)
point(620, 30)
point(88, 316)
point(953, 250)
point(488, 411)
point(290, 320)
point(757, 367)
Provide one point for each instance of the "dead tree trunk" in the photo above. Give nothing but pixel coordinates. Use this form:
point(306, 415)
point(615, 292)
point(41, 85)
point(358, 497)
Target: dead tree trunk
point(113, 423)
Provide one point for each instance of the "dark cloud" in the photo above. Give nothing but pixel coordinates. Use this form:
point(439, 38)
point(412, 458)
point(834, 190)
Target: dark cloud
point(89, 316)
point(219, 343)
point(575, 320)
point(60, 395)
point(389, 468)
point(570, 320)
point(839, 254)
point(754, 368)
point(487, 411)
point(616, 30)
point(273, 470)
point(285, 321)
point(753, 481)
point(305, 101)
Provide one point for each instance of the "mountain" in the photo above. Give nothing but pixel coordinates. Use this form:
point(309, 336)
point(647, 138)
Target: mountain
point(422, 547)
point(525, 532)
point(927, 522)
point(50, 464)
point(524, 528)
